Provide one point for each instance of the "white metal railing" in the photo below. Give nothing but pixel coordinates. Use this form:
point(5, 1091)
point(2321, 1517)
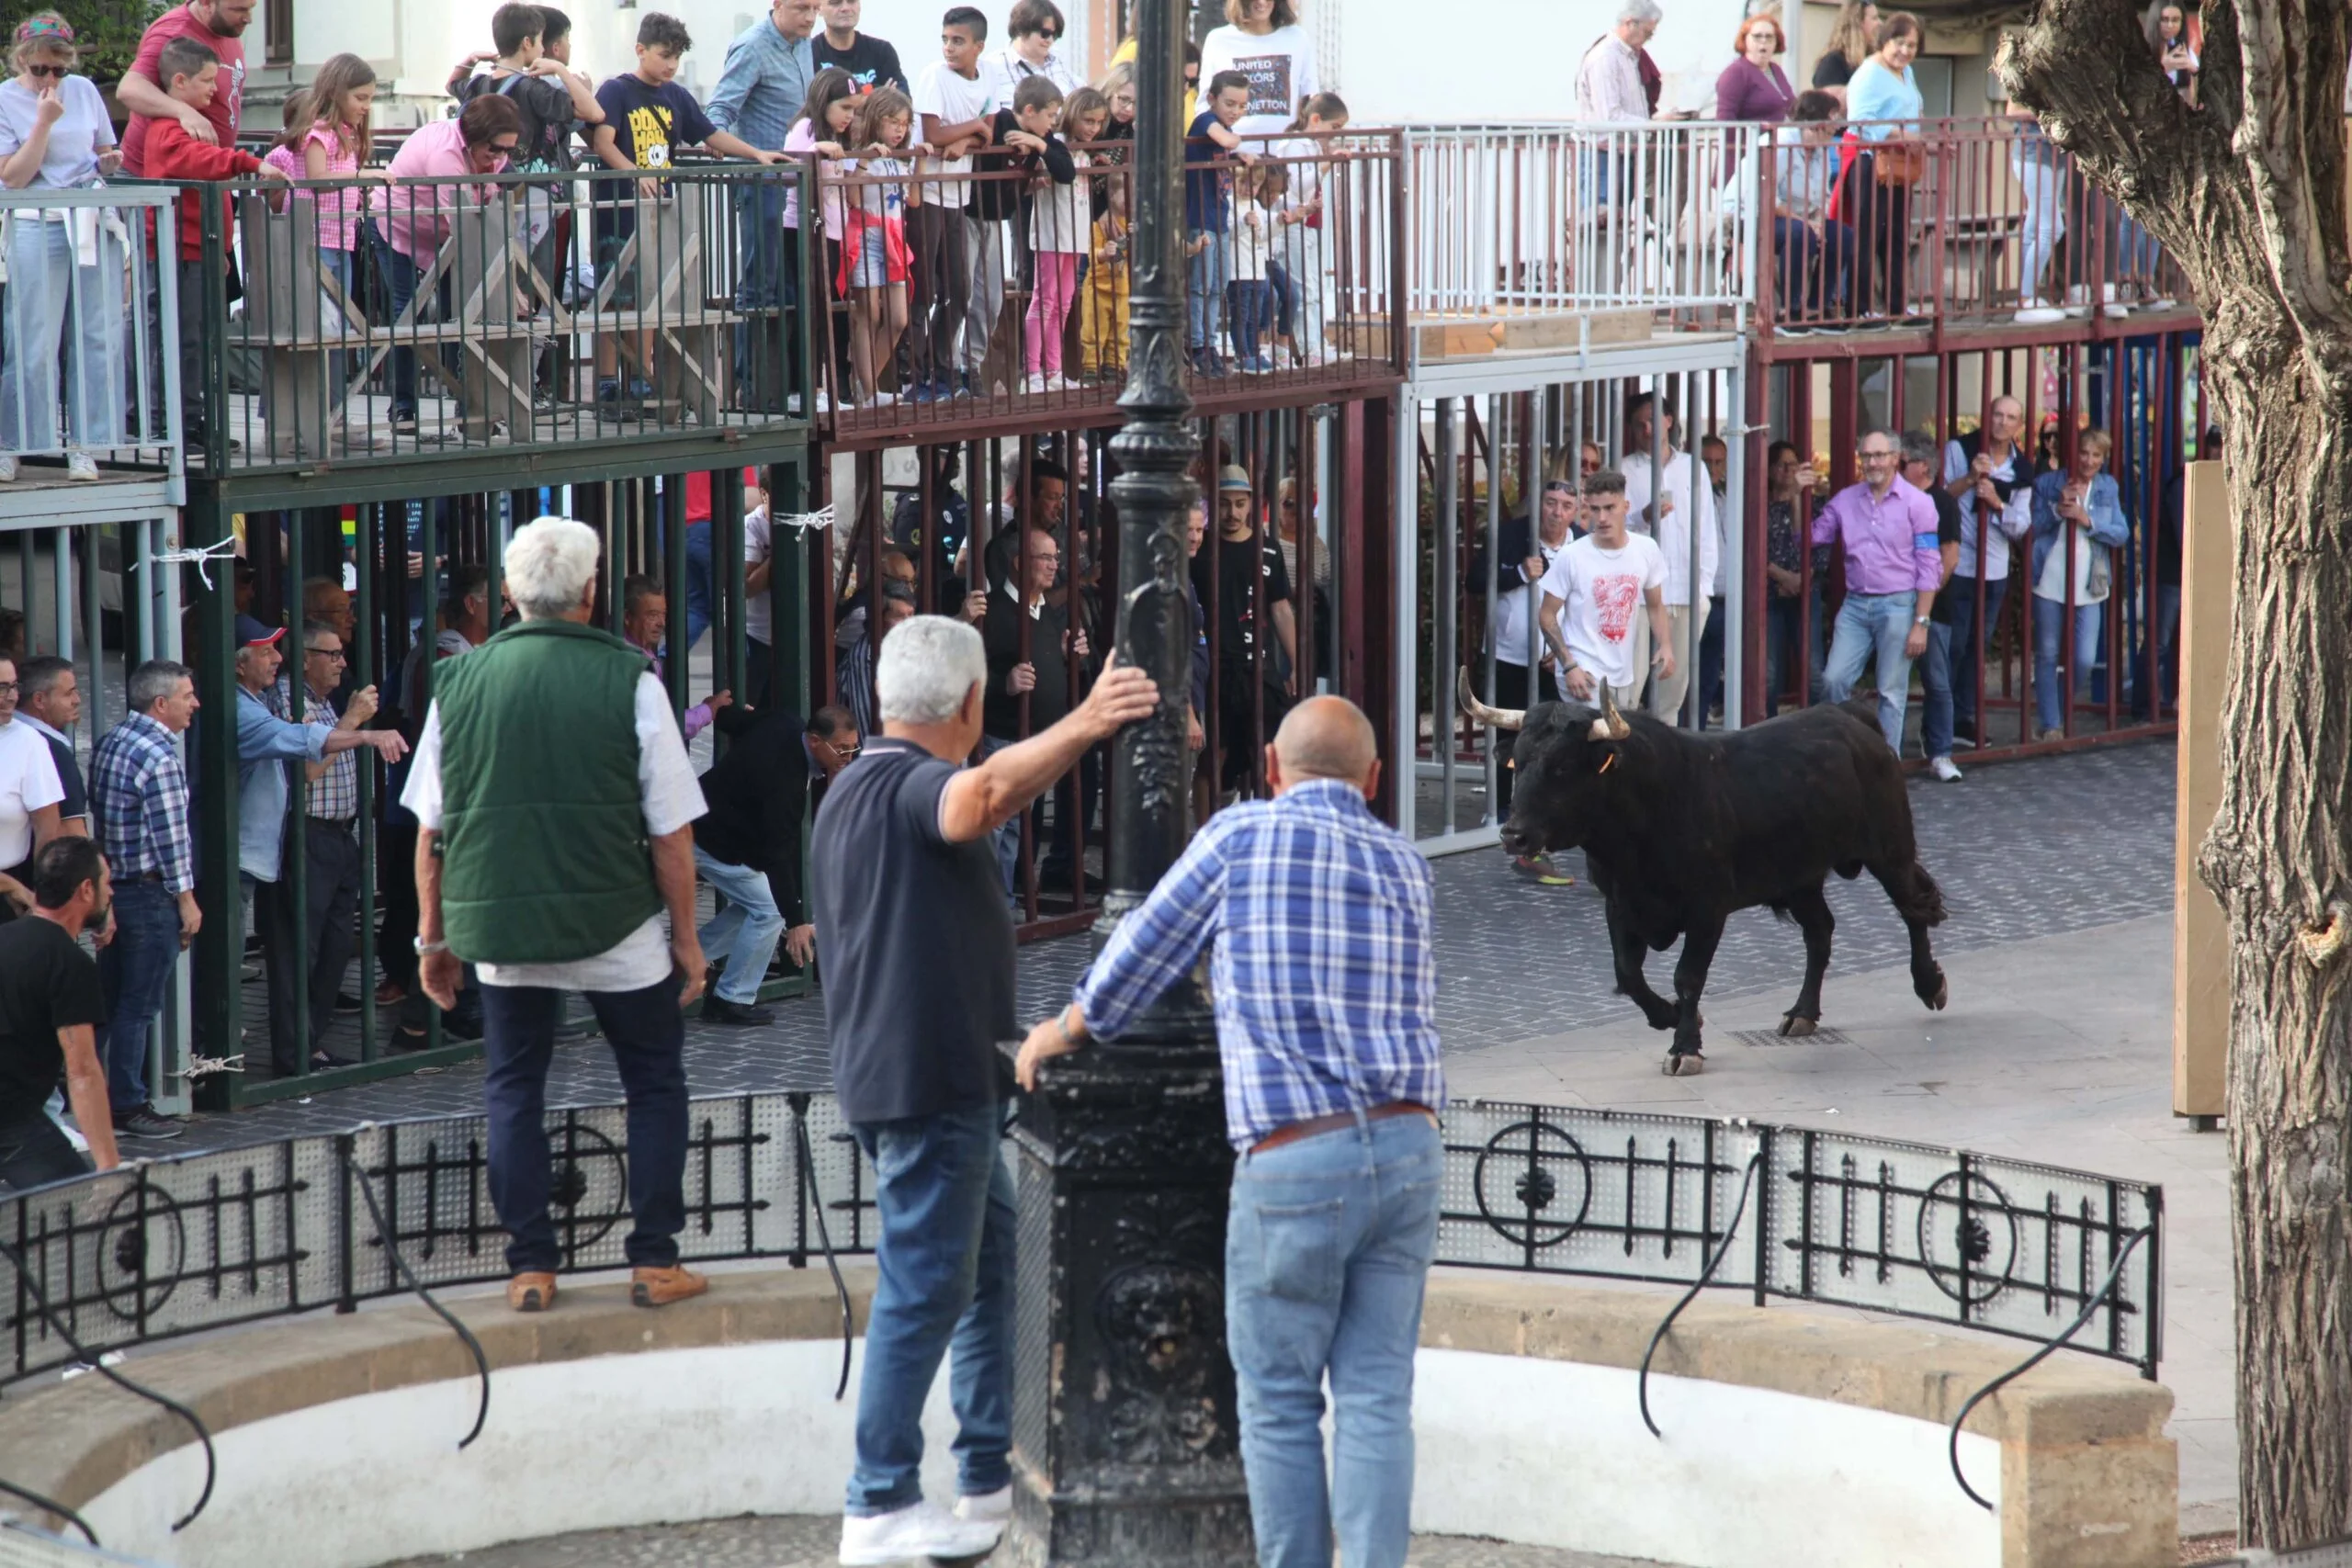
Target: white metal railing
point(1574, 215)
point(89, 338)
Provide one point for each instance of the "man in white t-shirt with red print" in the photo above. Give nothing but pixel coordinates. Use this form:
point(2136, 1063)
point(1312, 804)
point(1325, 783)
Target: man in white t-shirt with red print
point(1595, 593)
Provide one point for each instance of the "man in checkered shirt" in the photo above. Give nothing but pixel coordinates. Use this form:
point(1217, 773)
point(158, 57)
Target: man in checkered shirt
point(330, 844)
point(1317, 919)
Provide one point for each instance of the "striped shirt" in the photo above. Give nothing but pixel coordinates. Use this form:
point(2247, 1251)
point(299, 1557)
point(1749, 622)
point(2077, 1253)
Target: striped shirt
point(1322, 972)
point(138, 794)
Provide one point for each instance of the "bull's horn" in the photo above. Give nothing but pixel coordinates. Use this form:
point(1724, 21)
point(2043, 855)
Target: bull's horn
point(1501, 718)
point(1617, 727)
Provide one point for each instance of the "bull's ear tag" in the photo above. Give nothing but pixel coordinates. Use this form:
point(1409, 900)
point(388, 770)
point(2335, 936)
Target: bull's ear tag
point(1609, 762)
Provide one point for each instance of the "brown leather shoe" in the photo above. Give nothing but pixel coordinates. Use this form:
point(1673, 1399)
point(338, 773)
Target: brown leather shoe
point(531, 1292)
point(660, 1287)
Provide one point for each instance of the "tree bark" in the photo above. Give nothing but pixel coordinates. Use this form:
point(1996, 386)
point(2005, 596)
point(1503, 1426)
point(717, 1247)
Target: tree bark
point(2248, 194)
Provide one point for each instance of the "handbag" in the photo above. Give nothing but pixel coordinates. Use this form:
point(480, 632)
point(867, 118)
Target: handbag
point(1899, 162)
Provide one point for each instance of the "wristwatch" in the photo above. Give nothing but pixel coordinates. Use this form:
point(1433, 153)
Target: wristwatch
point(1921, 620)
point(427, 949)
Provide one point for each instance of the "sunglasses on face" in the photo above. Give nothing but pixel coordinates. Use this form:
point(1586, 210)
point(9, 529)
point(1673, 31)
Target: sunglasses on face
point(1049, 34)
point(55, 73)
point(505, 149)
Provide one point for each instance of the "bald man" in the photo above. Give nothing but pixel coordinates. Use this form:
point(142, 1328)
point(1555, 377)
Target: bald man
point(1317, 918)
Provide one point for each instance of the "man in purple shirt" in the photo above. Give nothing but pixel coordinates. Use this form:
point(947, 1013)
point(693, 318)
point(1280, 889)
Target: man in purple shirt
point(1887, 528)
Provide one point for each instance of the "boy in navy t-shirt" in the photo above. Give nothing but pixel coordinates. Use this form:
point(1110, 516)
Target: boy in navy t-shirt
point(1208, 212)
point(647, 117)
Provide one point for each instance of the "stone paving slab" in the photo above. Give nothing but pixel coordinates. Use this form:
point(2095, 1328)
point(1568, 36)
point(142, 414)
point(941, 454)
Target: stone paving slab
point(800, 1541)
point(2022, 850)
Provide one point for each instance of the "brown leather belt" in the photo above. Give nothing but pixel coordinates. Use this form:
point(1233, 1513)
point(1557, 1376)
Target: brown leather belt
point(1336, 1120)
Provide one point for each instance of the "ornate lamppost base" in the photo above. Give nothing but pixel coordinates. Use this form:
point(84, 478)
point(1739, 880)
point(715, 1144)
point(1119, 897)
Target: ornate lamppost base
point(1125, 1439)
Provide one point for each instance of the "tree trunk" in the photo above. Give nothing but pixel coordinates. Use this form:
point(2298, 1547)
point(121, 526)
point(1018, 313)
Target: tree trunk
point(2248, 196)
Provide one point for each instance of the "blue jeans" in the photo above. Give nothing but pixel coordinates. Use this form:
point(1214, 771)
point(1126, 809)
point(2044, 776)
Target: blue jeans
point(744, 933)
point(1204, 295)
point(699, 578)
point(1254, 312)
point(647, 1039)
point(1935, 683)
point(135, 970)
point(1966, 644)
point(2049, 618)
point(47, 289)
point(943, 1282)
point(2044, 189)
point(1328, 1245)
point(1813, 268)
point(1868, 624)
point(764, 292)
point(405, 275)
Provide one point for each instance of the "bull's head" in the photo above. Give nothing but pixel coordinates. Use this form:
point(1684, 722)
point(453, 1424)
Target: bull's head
point(1565, 757)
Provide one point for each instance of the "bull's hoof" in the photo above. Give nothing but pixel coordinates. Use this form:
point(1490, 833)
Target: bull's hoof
point(1941, 995)
point(1684, 1065)
point(1795, 1027)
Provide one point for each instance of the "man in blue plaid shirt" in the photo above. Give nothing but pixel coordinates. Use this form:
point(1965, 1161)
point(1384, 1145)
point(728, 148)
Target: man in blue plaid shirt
point(139, 802)
point(1318, 919)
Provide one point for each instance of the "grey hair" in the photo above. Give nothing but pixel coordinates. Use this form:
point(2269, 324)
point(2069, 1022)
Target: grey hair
point(154, 681)
point(549, 563)
point(1918, 448)
point(317, 628)
point(1891, 437)
point(926, 669)
point(1638, 11)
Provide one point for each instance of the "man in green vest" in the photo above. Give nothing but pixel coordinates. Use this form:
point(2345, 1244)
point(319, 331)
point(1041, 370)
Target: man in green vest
point(556, 807)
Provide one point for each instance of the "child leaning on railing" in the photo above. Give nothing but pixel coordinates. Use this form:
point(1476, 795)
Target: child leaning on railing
point(876, 259)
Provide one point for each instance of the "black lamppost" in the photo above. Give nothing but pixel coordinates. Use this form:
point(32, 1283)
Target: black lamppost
point(1124, 1435)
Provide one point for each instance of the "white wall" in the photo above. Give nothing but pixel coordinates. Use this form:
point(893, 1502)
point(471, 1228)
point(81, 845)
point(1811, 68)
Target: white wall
point(1538, 1452)
point(1510, 59)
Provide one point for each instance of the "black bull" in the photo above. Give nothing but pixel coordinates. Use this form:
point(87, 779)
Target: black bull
point(1680, 829)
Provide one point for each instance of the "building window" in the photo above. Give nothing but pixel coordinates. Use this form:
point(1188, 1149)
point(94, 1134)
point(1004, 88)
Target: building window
point(278, 24)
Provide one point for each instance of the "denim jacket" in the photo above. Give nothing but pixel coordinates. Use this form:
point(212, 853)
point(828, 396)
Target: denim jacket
point(266, 743)
point(2109, 528)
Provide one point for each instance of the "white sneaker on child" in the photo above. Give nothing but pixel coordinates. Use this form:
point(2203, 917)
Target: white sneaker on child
point(921, 1530)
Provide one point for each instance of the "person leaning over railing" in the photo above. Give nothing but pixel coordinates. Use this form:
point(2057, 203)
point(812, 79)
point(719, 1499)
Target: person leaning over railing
point(191, 74)
point(63, 262)
point(1303, 271)
point(417, 218)
point(1884, 160)
point(1814, 253)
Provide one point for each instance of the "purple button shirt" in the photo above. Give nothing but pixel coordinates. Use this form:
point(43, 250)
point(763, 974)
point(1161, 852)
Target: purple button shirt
point(1890, 542)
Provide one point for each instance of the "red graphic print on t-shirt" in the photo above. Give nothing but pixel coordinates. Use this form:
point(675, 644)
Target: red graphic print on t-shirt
point(1614, 598)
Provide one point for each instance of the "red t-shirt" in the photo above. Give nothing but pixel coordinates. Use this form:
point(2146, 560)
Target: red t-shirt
point(228, 97)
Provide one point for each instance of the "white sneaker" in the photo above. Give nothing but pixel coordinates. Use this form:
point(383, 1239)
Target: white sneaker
point(923, 1530)
point(994, 1508)
point(81, 466)
point(2036, 313)
point(1033, 385)
point(1942, 768)
point(7, 468)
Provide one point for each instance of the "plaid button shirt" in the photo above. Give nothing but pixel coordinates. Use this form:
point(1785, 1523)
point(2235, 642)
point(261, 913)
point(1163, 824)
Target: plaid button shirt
point(138, 794)
point(335, 795)
point(1322, 972)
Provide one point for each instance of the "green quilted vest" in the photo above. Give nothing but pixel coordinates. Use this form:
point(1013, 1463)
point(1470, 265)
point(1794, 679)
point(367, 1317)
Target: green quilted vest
point(544, 857)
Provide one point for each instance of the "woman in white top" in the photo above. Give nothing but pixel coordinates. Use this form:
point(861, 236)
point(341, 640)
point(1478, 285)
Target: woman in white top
point(1265, 41)
point(55, 135)
point(1035, 27)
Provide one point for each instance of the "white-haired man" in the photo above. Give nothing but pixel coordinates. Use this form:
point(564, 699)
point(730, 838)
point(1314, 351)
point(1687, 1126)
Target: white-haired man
point(916, 946)
point(1609, 79)
point(556, 808)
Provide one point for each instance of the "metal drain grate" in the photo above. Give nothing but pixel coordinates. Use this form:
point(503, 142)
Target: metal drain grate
point(1821, 1035)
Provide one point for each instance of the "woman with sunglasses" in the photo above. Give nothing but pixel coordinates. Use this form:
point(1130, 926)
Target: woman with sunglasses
point(1037, 29)
point(479, 142)
point(55, 135)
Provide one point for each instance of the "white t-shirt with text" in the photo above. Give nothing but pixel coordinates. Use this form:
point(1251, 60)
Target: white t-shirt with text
point(1603, 595)
point(1281, 68)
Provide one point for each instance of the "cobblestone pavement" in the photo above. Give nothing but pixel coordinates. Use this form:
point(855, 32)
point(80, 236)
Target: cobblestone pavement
point(806, 1542)
point(2022, 850)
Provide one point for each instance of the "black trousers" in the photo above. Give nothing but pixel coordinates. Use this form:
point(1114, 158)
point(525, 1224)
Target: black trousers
point(328, 921)
point(1248, 715)
point(942, 291)
point(33, 1152)
point(1510, 692)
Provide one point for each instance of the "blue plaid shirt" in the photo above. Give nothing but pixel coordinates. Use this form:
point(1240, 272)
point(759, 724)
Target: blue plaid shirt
point(1323, 976)
point(138, 794)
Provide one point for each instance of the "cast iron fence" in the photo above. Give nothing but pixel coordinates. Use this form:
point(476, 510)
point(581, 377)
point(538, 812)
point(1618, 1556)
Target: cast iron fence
point(198, 1242)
